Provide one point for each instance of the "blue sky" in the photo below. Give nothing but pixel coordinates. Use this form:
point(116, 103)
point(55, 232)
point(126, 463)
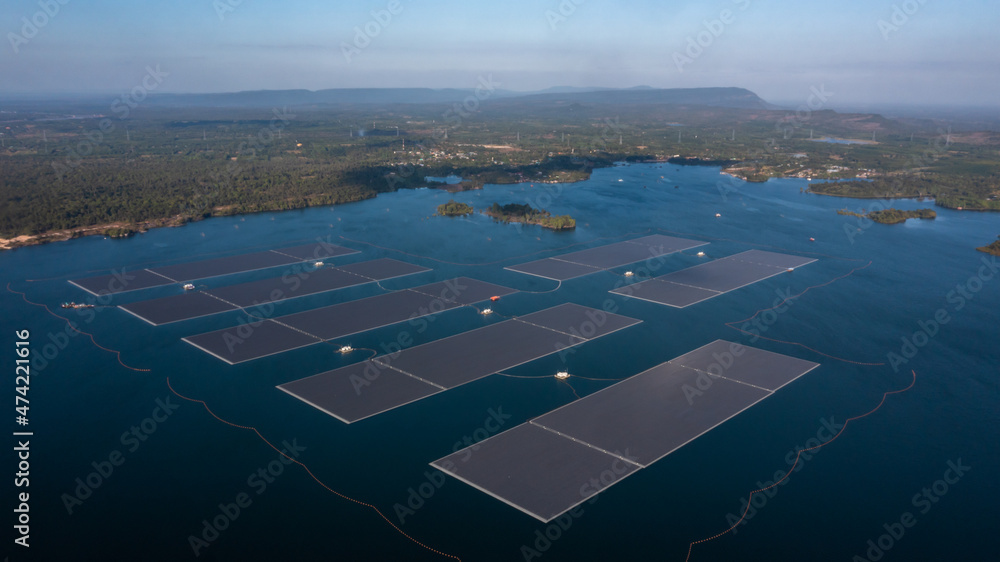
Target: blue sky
point(942, 52)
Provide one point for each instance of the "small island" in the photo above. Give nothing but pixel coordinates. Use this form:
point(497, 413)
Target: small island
point(528, 215)
point(993, 248)
point(892, 216)
point(454, 209)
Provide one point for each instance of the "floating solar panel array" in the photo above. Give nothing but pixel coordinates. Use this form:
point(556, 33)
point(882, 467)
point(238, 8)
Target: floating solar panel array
point(585, 262)
point(133, 280)
point(195, 304)
point(557, 461)
point(701, 282)
point(383, 383)
point(276, 335)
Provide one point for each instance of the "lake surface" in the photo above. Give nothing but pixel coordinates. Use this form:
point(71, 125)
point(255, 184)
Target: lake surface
point(84, 404)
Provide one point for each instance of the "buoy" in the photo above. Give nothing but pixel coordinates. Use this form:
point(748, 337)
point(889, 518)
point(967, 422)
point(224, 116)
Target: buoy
point(494, 298)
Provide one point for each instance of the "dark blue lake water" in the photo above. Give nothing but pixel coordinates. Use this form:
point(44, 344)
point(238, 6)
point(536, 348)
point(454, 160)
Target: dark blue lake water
point(84, 404)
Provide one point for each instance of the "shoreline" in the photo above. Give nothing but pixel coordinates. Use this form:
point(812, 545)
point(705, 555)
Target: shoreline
point(47, 237)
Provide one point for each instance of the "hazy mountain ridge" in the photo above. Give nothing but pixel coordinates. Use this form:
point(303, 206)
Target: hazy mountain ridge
point(713, 97)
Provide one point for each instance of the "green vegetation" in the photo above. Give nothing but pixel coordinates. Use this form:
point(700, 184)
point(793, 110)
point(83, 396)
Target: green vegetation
point(528, 215)
point(895, 216)
point(63, 175)
point(454, 209)
point(116, 232)
point(892, 216)
point(993, 248)
point(964, 192)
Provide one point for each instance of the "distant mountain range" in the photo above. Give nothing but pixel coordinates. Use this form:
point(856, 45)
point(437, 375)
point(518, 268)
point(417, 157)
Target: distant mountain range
point(714, 97)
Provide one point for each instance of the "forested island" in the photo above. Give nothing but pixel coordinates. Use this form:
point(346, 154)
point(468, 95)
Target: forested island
point(993, 248)
point(961, 192)
point(892, 216)
point(529, 215)
point(454, 209)
point(71, 168)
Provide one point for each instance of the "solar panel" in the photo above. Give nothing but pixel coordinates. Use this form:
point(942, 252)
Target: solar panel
point(552, 463)
point(592, 260)
point(176, 308)
point(701, 282)
point(445, 363)
point(251, 341)
point(536, 471)
point(358, 391)
point(179, 273)
point(298, 282)
point(121, 282)
point(344, 319)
